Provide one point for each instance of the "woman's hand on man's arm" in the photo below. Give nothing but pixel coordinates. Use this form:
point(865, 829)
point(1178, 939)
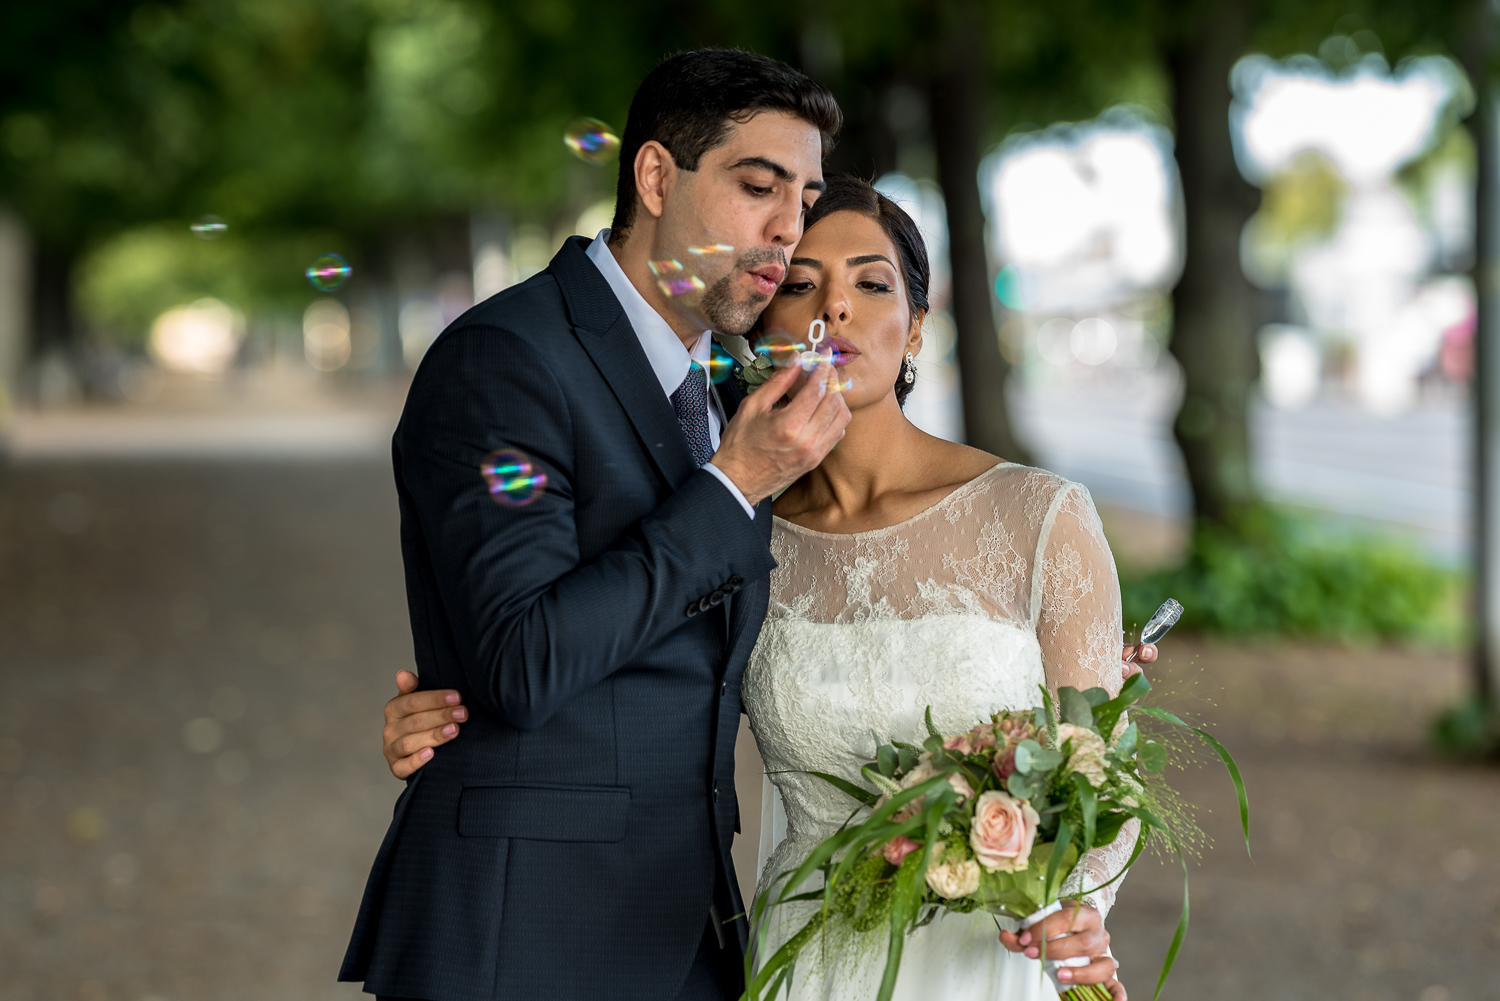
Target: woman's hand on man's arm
point(416, 722)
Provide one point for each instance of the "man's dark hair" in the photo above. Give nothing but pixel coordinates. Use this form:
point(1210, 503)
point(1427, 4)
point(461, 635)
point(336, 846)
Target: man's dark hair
point(850, 194)
point(690, 100)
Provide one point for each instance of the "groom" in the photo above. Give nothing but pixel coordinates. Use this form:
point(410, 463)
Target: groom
point(576, 843)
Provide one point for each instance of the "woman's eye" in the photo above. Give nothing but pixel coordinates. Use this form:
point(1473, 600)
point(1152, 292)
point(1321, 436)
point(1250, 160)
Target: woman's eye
point(875, 286)
point(795, 288)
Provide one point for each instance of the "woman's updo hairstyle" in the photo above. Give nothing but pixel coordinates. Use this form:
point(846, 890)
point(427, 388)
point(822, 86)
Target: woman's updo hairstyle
point(846, 193)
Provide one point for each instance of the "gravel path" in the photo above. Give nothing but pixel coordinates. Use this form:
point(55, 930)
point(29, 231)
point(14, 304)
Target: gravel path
point(194, 657)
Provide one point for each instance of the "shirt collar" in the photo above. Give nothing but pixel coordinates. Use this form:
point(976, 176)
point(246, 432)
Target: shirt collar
point(664, 350)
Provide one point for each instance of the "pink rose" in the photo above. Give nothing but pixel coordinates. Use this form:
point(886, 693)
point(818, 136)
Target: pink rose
point(982, 737)
point(1003, 832)
point(959, 744)
point(1004, 764)
point(898, 848)
point(960, 785)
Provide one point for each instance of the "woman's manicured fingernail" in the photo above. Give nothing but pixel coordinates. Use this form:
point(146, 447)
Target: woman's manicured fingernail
point(1025, 938)
point(425, 754)
point(1065, 974)
point(453, 698)
point(460, 714)
point(449, 730)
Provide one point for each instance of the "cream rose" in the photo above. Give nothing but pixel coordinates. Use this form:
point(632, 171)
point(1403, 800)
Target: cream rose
point(1088, 752)
point(954, 879)
point(1003, 832)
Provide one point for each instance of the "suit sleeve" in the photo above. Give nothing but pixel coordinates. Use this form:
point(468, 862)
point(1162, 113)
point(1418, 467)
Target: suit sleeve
point(533, 623)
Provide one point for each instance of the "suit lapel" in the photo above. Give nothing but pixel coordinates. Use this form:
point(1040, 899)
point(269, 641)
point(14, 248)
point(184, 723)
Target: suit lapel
point(612, 344)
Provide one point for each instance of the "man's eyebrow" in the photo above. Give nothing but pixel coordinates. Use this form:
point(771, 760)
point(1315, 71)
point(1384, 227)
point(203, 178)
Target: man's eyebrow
point(808, 262)
point(855, 262)
point(764, 163)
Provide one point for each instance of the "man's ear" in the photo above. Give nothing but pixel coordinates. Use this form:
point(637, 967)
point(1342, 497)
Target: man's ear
point(655, 170)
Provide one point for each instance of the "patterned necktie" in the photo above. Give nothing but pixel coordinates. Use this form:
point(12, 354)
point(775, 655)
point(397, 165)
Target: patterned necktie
point(690, 400)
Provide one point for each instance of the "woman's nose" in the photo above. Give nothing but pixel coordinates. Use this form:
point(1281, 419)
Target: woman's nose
point(836, 311)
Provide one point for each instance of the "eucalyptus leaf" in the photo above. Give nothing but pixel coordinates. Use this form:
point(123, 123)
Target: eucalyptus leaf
point(1075, 708)
point(1096, 696)
point(1019, 786)
point(906, 758)
point(1126, 745)
point(1045, 760)
point(1026, 753)
point(887, 759)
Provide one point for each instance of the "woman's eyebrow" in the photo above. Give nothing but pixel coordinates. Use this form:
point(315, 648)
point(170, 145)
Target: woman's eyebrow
point(855, 262)
point(808, 262)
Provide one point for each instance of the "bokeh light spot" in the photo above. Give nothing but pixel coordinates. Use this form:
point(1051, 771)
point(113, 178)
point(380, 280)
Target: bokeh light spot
point(591, 140)
point(674, 279)
point(512, 480)
point(782, 348)
point(720, 364)
point(209, 227)
point(329, 273)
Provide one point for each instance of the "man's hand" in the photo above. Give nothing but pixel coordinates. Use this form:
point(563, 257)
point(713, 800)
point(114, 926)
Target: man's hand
point(1071, 932)
point(764, 450)
point(1145, 653)
point(416, 722)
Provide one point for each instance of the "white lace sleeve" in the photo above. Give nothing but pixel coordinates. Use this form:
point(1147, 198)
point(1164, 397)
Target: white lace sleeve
point(1076, 608)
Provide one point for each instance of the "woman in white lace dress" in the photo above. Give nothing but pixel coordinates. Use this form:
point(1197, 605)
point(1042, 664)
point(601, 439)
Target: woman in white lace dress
point(915, 572)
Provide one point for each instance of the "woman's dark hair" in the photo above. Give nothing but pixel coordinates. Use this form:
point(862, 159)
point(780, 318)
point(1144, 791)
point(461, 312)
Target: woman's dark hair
point(850, 194)
point(690, 100)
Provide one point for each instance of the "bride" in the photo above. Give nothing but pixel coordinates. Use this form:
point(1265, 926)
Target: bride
point(911, 572)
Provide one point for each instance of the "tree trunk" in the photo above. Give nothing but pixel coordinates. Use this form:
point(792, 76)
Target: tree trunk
point(1213, 305)
point(955, 91)
point(1474, 49)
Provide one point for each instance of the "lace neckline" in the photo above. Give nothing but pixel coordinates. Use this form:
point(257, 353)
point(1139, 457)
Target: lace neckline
point(963, 489)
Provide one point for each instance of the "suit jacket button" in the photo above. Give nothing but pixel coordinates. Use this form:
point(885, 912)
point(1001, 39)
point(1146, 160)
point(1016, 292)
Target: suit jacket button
point(692, 610)
point(737, 581)
point(705, 603)
point(716, 790)
point(717, 598)
point(723, 689)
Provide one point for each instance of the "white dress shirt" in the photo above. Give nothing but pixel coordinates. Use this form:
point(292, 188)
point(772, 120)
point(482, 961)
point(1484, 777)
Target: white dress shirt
point(669, 359)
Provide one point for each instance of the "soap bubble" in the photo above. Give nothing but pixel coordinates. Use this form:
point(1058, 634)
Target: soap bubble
point(720, 364)
point(329, 272)
point(674, 279)
point(511, 478)
point(209, 227)
point(780, 347)
point(592, 140)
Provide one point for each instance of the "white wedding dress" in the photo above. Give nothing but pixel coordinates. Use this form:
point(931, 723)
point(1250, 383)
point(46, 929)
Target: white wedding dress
point(1005, 584)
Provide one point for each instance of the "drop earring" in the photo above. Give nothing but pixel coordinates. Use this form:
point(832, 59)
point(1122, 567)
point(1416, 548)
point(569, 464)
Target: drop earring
point(911, 369)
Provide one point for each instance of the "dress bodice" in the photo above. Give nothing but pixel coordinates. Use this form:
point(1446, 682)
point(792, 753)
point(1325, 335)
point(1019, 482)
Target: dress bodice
point(1004, 585)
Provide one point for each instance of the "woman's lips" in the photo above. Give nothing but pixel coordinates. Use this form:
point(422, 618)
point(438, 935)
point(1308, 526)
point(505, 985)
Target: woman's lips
point(843, 351)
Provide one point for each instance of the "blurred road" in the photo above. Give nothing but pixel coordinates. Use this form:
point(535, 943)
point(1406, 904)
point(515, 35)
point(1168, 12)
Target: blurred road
point(1408, 472)
point(194, 657)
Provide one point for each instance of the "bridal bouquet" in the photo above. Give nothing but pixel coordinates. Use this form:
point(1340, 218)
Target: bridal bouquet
point(993, 820)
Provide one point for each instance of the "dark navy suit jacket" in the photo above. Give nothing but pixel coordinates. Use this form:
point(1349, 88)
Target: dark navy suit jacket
point(570, 842)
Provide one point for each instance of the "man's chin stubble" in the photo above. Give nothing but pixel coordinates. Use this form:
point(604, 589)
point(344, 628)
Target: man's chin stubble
point(727, 316)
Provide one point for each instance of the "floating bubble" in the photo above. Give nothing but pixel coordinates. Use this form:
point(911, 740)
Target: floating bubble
point(780, 347)
point(329, 272)
point(720, 364)
point(209, 227)
point(512, 480)
point(592, 140)
point(675, 280)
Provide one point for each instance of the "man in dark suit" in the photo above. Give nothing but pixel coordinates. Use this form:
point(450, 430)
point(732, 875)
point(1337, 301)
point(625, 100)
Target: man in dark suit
point(596, 623)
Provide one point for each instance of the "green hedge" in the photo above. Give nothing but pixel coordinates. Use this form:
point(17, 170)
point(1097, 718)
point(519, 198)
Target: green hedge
point(1276, 573)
